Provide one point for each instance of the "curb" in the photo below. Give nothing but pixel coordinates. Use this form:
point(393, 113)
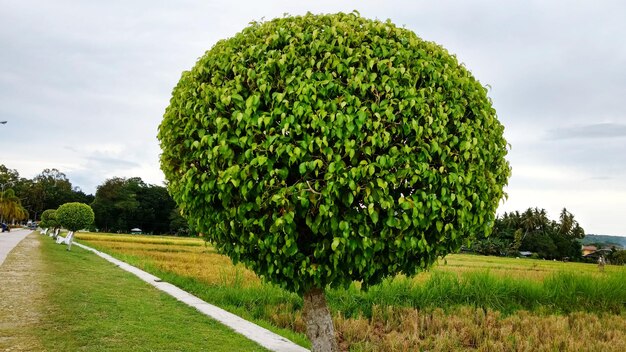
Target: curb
point(262, 336)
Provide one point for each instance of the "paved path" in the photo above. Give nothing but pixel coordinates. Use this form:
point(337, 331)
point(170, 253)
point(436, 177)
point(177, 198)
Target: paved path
point(8, 241)
point(260, 335)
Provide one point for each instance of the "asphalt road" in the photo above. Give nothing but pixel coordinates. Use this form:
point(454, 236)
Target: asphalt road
point(8, 241)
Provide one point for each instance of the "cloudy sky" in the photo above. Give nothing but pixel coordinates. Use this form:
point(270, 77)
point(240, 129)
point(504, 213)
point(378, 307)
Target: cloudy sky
point(84, 84)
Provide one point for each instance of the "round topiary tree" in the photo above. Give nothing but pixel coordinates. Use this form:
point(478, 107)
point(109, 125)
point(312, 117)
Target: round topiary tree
point(75, 216)
point(320, 150)
point(49, 219)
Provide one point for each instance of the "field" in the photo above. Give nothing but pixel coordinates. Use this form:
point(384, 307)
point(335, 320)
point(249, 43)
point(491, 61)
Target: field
point(466, 302)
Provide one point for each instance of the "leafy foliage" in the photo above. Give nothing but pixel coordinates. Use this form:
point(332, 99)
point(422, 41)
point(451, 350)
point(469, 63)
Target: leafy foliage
point(179, 225)
point(114, 204)
point(75, 216)
point(122, 204)
point(617, 257)
point(533, 231)
point(319, 150)
point(49, 219)
point(47, 190)
point(8, 177)
point(11, 208)
point(50, 189)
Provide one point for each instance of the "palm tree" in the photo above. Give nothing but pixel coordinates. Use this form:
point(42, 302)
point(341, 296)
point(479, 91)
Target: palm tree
point(11, 207)
point(569, 227)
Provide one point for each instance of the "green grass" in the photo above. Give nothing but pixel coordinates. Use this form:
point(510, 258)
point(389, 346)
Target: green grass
point(251, 303)
point(561, 292)
point(94, 306)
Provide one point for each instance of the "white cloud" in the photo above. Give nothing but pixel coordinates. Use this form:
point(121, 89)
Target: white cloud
point(595, 208)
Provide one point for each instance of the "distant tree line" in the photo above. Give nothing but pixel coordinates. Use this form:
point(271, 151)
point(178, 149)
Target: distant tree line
point(122, 204)
point(616, 256)
point(119, 204)
point(532, 231)
point(47, 190)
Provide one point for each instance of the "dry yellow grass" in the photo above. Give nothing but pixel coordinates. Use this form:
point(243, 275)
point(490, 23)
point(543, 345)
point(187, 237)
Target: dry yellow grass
point(404, 329)
point(194, 257)
point(190, 257)
point(392, 329)
point(169, 240)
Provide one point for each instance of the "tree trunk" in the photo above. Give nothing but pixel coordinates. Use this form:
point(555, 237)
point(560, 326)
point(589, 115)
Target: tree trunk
point(319, 323)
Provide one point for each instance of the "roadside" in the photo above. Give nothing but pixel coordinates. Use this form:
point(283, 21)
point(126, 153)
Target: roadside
point(8, 240)
point(55, 300)
point(254, 332)
point(20, 291)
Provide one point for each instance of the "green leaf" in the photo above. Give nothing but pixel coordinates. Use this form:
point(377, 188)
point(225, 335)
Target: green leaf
point(335, 243)
point(374, 216)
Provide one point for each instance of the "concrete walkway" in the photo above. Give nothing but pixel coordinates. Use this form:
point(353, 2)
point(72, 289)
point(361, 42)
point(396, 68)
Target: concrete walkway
point(250, 330)
point(8, 241)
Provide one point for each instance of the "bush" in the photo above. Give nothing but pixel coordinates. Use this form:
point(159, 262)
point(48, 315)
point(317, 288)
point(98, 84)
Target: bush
point(49, 219)
point(75, 216)
point(319, 150)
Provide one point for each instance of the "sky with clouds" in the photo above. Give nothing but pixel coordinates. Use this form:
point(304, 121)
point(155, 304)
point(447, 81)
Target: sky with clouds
point(84, 84)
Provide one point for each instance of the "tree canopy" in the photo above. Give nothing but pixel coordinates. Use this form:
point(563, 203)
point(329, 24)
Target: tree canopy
point(11, 208)
point(533, 231)
point(319, 150)
point(47, 190)
point(121, 204)
point(8, 177)
point(75, 216)
point(49, 219)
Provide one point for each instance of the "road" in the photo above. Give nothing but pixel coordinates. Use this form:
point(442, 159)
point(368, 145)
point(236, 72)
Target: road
point(8, 241)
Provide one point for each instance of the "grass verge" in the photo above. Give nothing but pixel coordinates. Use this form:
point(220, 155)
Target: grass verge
point(91, 305)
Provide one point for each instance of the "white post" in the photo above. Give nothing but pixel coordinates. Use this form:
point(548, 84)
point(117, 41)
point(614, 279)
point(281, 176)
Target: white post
point(68, 239)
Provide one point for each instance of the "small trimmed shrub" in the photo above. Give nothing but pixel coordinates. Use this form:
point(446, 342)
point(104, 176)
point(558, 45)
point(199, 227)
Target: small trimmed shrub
point(75, 216)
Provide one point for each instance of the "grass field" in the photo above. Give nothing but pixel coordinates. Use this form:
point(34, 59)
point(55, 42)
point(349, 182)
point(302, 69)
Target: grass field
point(465, 302)
point(75, 301)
